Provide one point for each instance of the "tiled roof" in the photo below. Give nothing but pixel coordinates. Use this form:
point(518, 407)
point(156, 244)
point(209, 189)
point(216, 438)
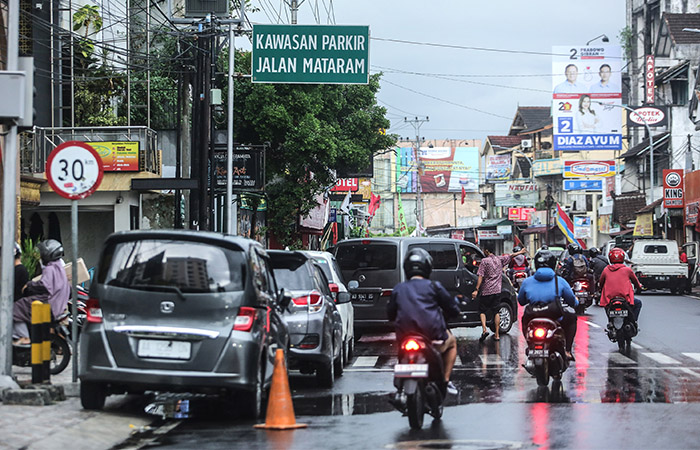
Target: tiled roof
point(676, 23)
point(650, 207)
point(505, 141)
point(528, 117)
point(626, 205)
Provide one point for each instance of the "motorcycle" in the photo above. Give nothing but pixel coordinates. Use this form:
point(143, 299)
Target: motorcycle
point(584, 290)
point(519, 275)
point(621, 324)
point(546, 350)
point(419, 378)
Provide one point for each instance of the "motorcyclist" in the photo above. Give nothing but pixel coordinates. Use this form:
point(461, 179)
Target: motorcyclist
point(418, 305)
point(617, 280)
point(519, 263)
point(52, 288)
point(597, 262)
point(542, 289)
point(575, 253)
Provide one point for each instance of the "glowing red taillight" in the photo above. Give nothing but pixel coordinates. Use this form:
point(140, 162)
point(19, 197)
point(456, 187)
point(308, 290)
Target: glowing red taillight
point(94, 312)
point(411, 345)
point(386, 293)
point(312, 299)
point(245, 319)
point(540, 333)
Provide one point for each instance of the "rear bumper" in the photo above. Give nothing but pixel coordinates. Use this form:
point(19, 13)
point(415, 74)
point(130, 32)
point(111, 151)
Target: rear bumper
point(663, 281)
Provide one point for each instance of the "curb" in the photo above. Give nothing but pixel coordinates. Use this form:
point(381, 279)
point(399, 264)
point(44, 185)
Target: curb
point(34, 395)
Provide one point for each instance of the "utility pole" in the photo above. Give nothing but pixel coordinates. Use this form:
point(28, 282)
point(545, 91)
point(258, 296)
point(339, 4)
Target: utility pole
point(416, 122)
point(548, 202)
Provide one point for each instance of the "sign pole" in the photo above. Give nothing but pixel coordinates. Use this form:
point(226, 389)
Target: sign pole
point(74, 280)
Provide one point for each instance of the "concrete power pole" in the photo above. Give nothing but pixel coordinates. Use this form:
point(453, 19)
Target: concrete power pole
point(416, 122)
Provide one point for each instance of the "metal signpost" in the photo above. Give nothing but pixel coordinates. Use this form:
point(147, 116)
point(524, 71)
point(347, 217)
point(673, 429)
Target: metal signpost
point(74, 171)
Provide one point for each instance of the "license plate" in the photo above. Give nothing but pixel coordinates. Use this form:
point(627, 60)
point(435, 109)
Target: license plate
point(618, 313)
point(362, 298)
point(160, 348)
point(541, 353)
point(582, 294)
point(411, 371)
point(662, 278)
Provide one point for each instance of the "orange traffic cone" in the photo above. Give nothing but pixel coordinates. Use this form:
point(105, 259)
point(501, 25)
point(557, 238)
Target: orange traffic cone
point(280, 410)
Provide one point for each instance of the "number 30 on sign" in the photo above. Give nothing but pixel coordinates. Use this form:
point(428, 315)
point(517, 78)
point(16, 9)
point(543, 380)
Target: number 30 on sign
point(74, 170)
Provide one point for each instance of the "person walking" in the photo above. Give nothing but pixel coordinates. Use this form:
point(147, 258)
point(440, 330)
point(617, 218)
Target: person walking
point(489, 287)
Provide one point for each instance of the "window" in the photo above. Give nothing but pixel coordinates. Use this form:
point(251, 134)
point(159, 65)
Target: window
point(679, 92)
point(372, 256)
point(655, 249)
point(292, 273)
point(444, 256)
point(384, 217)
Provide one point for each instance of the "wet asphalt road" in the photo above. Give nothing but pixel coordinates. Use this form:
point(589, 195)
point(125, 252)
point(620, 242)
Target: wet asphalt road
point(650, 399)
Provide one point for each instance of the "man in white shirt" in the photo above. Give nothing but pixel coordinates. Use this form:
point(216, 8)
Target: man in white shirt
point(604, 86)
point(570, 86)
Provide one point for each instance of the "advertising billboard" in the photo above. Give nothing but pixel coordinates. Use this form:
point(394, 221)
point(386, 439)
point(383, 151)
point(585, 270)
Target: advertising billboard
point(582, 169)
point(652, 116)
point(445, 169)
point(673, 188)
point(498, 167)
point(345, 185)
point(587, 96)
point(512, 194)
point(582, 227)
point(118, 156)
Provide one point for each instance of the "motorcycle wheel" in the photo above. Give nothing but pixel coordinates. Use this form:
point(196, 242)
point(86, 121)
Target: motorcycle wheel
point(415, 410)
point(436, 401)
point(625, 346)
point(542, 373)
point(60, 355)
point(580, 310)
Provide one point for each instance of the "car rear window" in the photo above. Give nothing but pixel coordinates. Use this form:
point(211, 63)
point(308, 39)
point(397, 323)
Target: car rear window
point(189, 266)
point(366, 256)
point(325, 267)
point(292, 273)
point(656, 249)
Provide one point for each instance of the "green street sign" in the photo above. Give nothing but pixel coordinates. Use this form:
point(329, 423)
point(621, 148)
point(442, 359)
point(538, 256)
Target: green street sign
point(319, 54)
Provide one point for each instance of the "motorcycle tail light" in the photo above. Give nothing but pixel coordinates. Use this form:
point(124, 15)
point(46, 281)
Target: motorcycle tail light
point(94, 311)
point(245, 318)
point(411, 345)
point(540, 333)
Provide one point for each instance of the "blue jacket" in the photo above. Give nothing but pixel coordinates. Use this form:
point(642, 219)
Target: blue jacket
point(540, 289)
point(417, 306)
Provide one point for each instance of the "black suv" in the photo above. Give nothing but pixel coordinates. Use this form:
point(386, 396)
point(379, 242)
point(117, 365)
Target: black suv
point(376, 265)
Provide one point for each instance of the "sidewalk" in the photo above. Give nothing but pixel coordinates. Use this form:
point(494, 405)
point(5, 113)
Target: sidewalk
point(65, 424)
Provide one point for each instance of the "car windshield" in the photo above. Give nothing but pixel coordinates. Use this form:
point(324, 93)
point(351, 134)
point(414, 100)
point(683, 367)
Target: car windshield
point(292, 273)
point(185, 265)
point(362, 256)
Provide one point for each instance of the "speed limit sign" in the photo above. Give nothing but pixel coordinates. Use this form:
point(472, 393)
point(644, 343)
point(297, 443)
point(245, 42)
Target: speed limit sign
point(74, 170)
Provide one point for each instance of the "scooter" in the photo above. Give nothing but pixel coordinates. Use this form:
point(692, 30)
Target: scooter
point(546, 350)
point(519, 275)
point(419, 378)
point(584, 290)
point(621, 324)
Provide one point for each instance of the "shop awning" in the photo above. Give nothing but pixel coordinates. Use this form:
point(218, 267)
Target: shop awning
point(493, 223)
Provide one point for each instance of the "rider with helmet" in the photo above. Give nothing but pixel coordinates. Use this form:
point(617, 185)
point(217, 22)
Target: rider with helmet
point(544, 289)
point(418, 305)
point(52, 288)
point(575, 260)
point(518, 263)
point(597, 262)
point(617, 280)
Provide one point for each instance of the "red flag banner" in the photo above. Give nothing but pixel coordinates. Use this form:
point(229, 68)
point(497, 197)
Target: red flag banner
point(464, 194)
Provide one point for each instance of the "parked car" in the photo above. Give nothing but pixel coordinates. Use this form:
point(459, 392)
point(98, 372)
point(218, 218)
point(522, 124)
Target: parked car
point(182, 311)
point(376, 264)
point(656, 262)
point(315, 325)
point(326, 261)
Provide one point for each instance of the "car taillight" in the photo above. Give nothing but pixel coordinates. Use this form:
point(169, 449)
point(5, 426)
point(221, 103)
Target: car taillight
point(94, 312)
point(540, 333)
point(245, 318)
point(411, 345)
point(314, 300)
point(386, 293)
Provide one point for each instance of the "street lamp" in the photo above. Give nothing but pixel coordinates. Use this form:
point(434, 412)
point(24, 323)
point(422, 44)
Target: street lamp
point(605, 39)
point(651, 143)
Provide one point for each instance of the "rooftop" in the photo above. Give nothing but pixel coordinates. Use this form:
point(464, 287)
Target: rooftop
point(676, 23)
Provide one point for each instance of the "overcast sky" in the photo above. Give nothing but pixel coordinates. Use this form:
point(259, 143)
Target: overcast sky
point(466, 93)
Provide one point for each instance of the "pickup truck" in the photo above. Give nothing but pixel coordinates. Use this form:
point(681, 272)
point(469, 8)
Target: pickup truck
point(657, 264)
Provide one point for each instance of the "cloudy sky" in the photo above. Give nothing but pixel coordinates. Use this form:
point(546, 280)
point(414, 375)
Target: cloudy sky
point(470, 63)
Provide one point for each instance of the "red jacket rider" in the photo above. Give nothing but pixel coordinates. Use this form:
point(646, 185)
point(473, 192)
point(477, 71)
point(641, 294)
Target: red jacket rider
point(617, 279)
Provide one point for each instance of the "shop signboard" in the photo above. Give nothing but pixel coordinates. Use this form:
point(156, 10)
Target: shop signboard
point(673, 188)
point(345, 185)
point(445, 169)
point(547, 167)
point(121, 156)
point(504, 229)
point(644, 225)
point(516, 194)
point(691, 213)
point(582, 227)
point(583, 185)
point(248, 167)
point(587, 97)
point(584, 169)
point(520, 214)
point(498, 167)
point(643, 116)
point(489, 234)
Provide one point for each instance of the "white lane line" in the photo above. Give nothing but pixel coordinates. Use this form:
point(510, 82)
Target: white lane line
point(491, 360)
point(620, 359)
point(695, 356)
point(636, 346)
point(365, 361)
point(661, 358)
point(462, 332)
point(689, 372)
point(592, 324)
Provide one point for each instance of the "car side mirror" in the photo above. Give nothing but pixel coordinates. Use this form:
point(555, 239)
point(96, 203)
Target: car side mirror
point(284, 298)
point(353, 284)
point(342, 297)
point(333, 287)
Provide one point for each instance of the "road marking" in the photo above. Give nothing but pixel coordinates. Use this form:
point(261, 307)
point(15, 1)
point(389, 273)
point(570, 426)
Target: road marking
point(636, 346)
point(695, 356)
point(462, 332)
point(689, 372)
point(592, 324)
point(365, 361)
point(491, 360)
point(620, 359)
point(661, 358)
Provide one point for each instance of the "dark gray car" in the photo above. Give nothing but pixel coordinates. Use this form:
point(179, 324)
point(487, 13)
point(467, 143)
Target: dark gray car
point(181, 311)
point(315, 325)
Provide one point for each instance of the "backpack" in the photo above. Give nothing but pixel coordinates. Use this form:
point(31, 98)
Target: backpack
point(579, 268)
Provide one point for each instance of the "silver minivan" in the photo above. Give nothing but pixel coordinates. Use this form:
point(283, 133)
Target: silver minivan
point(176, 310)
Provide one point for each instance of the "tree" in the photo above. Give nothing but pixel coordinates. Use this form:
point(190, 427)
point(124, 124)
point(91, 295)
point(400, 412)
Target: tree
point(312, 130)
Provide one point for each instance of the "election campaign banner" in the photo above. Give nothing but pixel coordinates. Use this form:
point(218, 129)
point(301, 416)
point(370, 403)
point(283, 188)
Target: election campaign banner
point(673, 188)
point(587, 97)
point(498, 167)
point(582, 169)
point(445, 169)
point(516, 194)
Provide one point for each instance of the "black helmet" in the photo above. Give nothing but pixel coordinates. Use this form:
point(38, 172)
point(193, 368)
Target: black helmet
point(18, 251)
point(544, 247)
point(418, 262)
point(50, 250)
point(545, 258)
point(517, 248)
point(574, 249)
point(593, 252)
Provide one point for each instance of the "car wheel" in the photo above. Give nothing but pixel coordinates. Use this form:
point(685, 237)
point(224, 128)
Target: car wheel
point(351, 350)
point(325, 374)
point(505, 313)
point(92, 395)
point(254, 400)
point(338, 362)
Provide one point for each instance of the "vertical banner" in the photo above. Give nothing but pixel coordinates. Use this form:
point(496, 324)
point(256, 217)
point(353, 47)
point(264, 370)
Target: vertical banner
point(644, 226)
point(673, 188)
point(587, 98)
point(403, 229)
point(649, 79)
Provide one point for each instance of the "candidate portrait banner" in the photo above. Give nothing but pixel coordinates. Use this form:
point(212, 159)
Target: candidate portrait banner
point(587, 97)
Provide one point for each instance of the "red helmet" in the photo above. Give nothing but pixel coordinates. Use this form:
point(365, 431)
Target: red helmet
point(616, 256)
